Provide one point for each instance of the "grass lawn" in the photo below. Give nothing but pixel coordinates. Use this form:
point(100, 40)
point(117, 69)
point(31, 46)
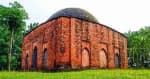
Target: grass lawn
point(84, 74)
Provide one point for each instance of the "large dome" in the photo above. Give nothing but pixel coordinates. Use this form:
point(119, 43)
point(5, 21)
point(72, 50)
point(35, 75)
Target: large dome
point(76, 13)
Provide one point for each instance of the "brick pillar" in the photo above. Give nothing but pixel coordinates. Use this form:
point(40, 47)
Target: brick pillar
point(123, 53)
point(94, 40)
point(75, 43)
point(125, 57)
point(110, 50)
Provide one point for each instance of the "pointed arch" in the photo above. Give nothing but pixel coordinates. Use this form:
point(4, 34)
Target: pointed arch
point(85, 60)
point(27, 61)
point(34, 58)
point(117, 60)
point(103, 58)
point(44, 58)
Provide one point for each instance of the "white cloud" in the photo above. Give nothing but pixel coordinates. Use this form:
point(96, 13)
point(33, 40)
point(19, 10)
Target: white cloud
point(122, 15)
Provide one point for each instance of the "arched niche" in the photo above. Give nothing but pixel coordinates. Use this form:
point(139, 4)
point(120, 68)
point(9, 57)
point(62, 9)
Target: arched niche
point(34, 58)
point(27, 61)
point(102, 59)
point(85, 58)
point(44, 59)
point(117, 60)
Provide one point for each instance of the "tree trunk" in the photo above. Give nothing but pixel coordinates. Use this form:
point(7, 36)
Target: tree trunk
point(10, 49)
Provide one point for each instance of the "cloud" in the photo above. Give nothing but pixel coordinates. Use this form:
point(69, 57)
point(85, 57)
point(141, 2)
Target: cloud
point(122, 15)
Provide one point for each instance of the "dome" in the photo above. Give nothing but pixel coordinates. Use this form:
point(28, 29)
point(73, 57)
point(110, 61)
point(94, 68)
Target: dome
point(75, 13)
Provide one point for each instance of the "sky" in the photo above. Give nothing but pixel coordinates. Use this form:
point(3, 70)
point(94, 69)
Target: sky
point(122, 15)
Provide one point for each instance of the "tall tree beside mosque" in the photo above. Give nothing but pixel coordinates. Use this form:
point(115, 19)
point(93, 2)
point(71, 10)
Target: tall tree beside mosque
point(12, 18)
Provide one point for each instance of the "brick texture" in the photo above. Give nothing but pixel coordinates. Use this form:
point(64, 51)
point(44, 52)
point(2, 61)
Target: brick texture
point(74, 43)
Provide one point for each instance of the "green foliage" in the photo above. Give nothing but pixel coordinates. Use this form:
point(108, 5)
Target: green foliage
point(3, 47)
point(85, 74)
point(12, 24)
point(13, 17)
point(139, 47)
point(31, 26)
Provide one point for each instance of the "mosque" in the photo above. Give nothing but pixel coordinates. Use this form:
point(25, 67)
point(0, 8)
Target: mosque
point(73, 38)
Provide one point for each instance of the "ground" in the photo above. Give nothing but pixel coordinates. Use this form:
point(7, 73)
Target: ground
point(83, 74)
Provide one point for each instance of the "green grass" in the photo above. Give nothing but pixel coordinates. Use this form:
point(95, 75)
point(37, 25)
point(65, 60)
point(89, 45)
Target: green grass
point(84, 74)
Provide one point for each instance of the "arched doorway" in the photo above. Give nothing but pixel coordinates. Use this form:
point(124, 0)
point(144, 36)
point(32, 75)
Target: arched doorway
point(34, 60)
point(44, 59)
point(102, 59)
point(27, 61)
point(85, 58)
point(117, 61)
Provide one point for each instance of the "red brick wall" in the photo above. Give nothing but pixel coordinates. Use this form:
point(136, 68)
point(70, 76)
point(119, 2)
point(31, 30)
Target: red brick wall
point(65, 38)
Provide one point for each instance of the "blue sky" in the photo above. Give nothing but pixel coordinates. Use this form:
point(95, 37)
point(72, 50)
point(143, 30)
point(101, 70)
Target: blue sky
point(122, 15)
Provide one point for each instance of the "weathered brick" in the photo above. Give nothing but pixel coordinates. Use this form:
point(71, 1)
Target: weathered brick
point(67, 38)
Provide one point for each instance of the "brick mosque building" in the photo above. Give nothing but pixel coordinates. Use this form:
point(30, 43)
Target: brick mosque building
point(73, 38)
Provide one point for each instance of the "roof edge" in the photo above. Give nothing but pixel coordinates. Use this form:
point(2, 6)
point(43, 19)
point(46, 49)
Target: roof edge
point(76, 18)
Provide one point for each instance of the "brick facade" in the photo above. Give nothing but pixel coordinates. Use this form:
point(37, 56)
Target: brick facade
point(74, 43)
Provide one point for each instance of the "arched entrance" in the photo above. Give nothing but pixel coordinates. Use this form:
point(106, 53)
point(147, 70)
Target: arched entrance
point(34, 60)
point(117, 61)
point(102, 59)
point(44, 59)
point(85, 58)
point(27, 61)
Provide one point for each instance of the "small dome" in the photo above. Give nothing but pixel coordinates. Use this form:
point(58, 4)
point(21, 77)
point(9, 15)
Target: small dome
point(75, 13)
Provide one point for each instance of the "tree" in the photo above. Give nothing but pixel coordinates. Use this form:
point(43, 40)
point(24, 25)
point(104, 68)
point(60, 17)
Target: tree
point(31, 26)
point(13, 17)
point(3, 47)
point(139, 47)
